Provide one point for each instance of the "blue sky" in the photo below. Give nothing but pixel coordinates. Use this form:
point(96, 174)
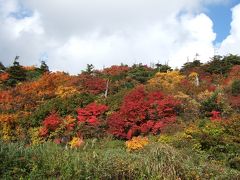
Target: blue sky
point(221, 16)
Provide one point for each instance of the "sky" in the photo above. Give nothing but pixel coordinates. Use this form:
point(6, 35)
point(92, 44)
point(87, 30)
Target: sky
point(221, 16)
point(69, 34)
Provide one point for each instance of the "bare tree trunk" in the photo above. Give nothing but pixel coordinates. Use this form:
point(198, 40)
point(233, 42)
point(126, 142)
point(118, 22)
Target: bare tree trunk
point(106, 91)
point(197, 80)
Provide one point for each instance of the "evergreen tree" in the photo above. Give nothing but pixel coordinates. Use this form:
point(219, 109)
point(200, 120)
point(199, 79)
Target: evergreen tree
point(44, 67)
point(2, 67)
point(222, 65)
point(141, 73)
point(89, 69)
point(16, 72)
point(163, 68)
point(190, 65)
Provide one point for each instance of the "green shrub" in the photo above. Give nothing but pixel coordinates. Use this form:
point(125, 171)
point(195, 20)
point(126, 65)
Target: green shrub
point(235, 163)
point(210, 104)
point(32, 75)
point(236, 87)
point(64, 106)
point(114, 101)
point(14, 161)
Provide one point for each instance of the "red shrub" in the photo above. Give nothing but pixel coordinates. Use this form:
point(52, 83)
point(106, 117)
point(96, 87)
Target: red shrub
point(212, 88)
point(57, 140)
point(115, 70)
point(142, 113)
point(43, 131)
point(52, 122)
point(216, 116)
point(91, 120)
point(90, 113)
point(234, 72)
point(234, 101)
point(92, 84)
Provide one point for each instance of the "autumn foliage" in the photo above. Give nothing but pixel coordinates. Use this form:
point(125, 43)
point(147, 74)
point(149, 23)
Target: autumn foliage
point(92, 84)
point(91, 120)
point(216, 116)
point(142, 113)
point(166, 81)
point(91, 113)
point(136, 143)
point(137, 101)
point(50, 123)
point(115, 70)
point(109, 114)
point(4, 76)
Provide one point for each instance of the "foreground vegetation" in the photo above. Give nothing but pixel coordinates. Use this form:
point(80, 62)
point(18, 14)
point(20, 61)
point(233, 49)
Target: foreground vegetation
point(121, 122)
point(108, 159)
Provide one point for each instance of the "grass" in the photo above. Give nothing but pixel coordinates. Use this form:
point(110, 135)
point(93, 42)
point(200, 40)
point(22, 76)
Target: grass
point(107, 159)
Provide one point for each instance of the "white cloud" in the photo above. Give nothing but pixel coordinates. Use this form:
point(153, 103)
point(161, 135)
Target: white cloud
point(200, 40)
point(7, 7)
point(76, 32)
point(16, 28)
point(232, 43)
point(24, 37)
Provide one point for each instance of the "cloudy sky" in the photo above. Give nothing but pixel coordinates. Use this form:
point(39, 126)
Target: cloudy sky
point(68, 34)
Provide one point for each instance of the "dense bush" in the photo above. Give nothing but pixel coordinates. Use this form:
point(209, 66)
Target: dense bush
point(215, 139)
point(142, 113)
point(91, 120)
point(64, 106)
point(141, 73)
point(217, 102)
point(222, 65)
point(92, 84)
point(236, 87)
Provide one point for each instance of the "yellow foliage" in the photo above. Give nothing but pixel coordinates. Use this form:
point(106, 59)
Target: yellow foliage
point(174, 138)
point(19, 133)
point(165, 139)
point(6, 132)
point(204, 95)
point(34, 136)
point(194, 78)
point(65, 91)
point(189, 105)
point(182, 96)
point(7, 118)
point(76, 142)
point(69, 119)
point(69, 122)
point(193, 75)
point(136, 143)
point(191, 130)
point(166, 81)
point(8, 128)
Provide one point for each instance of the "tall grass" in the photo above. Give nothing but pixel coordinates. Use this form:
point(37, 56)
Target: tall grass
point(105, 159)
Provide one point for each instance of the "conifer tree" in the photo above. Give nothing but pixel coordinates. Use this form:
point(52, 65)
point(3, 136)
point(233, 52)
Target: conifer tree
point(16, 72)
point(2, 67)
point(89, 69)
point(44, 67)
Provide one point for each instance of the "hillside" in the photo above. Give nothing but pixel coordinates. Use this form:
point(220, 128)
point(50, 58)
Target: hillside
point(122, 122)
